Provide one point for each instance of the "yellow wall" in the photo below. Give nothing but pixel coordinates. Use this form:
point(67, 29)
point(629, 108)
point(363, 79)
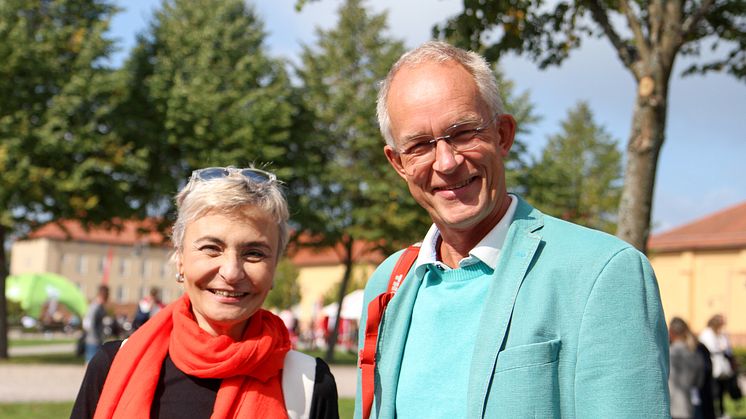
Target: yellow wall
point(696, 285)
point(316, 281)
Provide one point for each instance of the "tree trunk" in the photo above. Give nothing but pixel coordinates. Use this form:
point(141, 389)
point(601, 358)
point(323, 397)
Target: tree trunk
point(332, 340)
point(3, 301)
point(643, 148)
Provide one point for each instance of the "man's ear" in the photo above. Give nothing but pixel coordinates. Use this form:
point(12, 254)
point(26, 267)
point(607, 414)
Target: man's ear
point(394, 159)
point(506, 130)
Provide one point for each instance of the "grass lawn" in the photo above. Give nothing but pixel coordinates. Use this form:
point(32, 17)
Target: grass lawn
point(346, 408)
point(14, 343)
point(35, 410)
point(57, 359)
point(62, 410)
point(340, 358)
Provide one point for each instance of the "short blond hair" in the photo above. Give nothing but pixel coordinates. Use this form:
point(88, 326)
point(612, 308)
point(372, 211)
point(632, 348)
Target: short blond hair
point(440, 52)
point(231, 194)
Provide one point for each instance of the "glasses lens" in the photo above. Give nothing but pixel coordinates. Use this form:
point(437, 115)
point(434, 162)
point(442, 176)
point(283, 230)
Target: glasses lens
point(256, 175)
point(211, 173)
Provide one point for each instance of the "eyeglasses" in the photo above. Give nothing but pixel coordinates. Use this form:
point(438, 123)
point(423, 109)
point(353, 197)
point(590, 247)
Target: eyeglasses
point(420, 150)
point(254, 175)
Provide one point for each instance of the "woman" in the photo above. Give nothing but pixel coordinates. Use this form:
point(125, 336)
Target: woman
point(214, 352)
point(687, 370)
point(716, 341)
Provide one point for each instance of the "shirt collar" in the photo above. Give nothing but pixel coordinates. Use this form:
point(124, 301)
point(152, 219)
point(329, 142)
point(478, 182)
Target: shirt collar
point(487, 250)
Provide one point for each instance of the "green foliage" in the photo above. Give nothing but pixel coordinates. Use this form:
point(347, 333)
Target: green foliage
point(59, 155)
point(285, 292)
point(548, 33)
point(358, 196)
point(203, 92)
point(578, 177)
point(520, 106)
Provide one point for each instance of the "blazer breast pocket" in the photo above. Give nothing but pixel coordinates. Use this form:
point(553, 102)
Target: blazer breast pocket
point(525, 383)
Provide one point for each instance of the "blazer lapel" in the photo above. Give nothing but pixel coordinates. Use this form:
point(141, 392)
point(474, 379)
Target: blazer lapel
point(516, 256)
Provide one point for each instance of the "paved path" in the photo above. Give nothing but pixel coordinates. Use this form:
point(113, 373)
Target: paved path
point(25, 383)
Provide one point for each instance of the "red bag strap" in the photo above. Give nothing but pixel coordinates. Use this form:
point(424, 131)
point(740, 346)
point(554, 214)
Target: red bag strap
point(376, 307)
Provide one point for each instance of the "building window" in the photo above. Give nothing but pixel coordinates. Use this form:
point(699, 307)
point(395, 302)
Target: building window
point(102, 264)
point(124, 266)
point(82, 264)
point(121, 294)
point(144, 268)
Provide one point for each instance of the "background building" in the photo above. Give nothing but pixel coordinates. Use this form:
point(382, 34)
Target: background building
point(701, 270)
point(133, 259)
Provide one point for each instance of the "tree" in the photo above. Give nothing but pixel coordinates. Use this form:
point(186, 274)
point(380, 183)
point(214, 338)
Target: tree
point(578, 177)
point(59, 155)
point(357, 198)
point(285, 290)
point(657, 33)
point(523, 111)
point(204, 92)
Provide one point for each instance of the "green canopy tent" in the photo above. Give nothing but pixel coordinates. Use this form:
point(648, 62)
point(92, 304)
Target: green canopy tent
point(32, 291)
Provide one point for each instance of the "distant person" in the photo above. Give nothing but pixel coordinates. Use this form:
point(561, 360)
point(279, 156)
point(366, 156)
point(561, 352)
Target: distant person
point(687, 370)
point(704, 407)
point(721, 352)
point(93, 323)
point(147, 307)
point(214, 352)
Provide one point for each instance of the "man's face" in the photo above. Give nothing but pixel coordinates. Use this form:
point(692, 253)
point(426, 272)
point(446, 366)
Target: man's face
point(462, 191)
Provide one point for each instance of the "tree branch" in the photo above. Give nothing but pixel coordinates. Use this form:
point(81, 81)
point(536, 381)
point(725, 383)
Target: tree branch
point(642, 43)
point(599, 15)
point(693, 19)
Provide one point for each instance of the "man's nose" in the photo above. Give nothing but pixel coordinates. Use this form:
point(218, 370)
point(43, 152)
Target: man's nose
point(446, 159)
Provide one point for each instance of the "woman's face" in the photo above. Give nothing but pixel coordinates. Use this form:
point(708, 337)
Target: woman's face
point(228, 262)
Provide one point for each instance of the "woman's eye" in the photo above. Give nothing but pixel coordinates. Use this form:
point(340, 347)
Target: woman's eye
point(254, 255)
point(210, 250)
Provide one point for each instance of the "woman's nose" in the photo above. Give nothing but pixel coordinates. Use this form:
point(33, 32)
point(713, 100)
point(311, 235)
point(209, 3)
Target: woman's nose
point(231, 268)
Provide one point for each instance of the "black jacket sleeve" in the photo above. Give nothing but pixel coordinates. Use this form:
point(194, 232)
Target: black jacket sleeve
point(324, 398)
point(93, 381)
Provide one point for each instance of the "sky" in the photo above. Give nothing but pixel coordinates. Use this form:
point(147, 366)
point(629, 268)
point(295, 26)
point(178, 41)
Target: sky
point(702, 165)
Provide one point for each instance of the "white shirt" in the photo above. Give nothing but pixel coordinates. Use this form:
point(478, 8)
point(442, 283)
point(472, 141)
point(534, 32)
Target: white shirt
point(487, 250)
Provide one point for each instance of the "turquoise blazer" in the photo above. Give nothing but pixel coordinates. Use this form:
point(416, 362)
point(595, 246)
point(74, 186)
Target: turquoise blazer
point(573, 327)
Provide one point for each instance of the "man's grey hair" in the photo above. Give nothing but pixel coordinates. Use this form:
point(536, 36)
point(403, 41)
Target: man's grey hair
point(234, 194)
point(440, 52)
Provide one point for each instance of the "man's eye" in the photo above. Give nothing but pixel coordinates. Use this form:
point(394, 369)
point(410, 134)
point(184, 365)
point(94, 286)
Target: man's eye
point(419, 147)
point(463, 134)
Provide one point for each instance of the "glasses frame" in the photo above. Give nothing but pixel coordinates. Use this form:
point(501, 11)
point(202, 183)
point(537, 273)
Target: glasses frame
point(250, 173)
point(429, 157)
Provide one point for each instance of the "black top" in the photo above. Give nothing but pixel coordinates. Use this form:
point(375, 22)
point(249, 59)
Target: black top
point(179, 395)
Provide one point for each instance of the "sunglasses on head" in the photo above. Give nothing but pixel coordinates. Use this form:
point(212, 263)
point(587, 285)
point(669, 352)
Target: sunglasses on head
point(254, 175)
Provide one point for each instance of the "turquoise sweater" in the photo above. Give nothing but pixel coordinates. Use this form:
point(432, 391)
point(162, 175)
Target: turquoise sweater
point(435, 368)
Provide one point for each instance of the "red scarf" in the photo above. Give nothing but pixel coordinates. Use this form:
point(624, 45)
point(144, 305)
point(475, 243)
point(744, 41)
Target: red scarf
point(250, 369)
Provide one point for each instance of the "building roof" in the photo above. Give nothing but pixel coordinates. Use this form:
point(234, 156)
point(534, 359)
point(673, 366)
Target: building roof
point(145, 232)
point(310, 256)
point(725, 229)
point(130, 233)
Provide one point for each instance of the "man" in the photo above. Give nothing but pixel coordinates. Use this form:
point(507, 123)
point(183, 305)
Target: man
point(506, 312)
point(93, 323)
point(147, 307)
